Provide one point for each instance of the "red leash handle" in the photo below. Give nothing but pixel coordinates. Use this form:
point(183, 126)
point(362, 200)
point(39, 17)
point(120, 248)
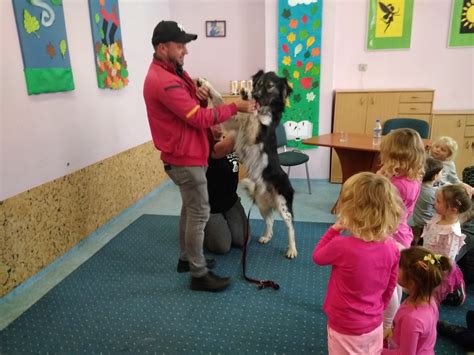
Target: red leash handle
point(261, 284)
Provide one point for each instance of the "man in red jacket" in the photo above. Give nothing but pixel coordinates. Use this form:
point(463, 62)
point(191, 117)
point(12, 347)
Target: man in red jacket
point(179, 122)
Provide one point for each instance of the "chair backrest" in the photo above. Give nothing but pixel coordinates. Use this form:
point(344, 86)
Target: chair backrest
point(280, 135)
point(422, 127)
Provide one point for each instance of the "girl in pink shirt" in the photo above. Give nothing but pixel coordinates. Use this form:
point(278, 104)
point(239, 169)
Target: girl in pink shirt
point(414, 325)
point(364, 264)
point(402, 154)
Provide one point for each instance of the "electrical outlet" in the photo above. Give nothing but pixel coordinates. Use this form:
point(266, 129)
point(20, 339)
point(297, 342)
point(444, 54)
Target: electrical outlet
point(362, 67)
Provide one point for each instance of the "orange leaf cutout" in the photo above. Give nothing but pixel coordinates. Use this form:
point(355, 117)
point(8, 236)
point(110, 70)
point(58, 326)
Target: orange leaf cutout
point(293, 23)
point(315, 51)
point(308, 66)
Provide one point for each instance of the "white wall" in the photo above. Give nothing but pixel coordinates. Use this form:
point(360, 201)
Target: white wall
point(237, 56)
point(429, 63)
point(41, 134)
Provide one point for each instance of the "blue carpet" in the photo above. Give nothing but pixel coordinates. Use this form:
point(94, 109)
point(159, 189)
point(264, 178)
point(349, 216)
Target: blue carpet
point(129, 298)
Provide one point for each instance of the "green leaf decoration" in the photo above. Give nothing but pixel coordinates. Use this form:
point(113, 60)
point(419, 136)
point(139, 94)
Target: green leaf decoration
point(314, 9)
point(57, 2)
point(315, 70)
point(303, 34)
point(315, 84)
point(30, 23)
point(102, 34)
point(63, 47)
point(283, 30)
point(97, 18)
point(297, 97)
point(316, 25)
point(286, 73)
point(306, 55)
point(286, 13)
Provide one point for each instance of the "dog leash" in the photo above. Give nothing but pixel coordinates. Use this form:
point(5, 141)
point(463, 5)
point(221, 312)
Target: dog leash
point(260, 283)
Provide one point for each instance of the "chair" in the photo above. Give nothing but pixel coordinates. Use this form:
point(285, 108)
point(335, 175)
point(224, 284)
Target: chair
point(422, 127)
point(292, 157)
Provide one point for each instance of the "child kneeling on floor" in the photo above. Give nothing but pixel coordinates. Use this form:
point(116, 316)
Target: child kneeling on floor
point(364, 263)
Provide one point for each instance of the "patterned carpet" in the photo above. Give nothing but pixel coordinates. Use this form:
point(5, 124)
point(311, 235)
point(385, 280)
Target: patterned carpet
point(129, 298)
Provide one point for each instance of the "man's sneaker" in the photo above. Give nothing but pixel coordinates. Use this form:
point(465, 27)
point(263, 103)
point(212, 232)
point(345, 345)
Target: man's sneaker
point(456, 298)
point(209, 282)
point(183, 265)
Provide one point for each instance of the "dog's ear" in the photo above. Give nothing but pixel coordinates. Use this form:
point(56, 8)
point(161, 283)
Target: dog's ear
point(286, 88)
point(257, 76)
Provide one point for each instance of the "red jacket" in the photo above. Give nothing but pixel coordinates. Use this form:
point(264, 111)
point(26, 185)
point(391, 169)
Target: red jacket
point(178, 120)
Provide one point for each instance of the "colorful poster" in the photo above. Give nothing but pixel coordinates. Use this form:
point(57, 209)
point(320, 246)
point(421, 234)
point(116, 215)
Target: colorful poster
point(390, 24)
point(44, 47)
point(461, 33)
point(299, 60)
point(111, 66)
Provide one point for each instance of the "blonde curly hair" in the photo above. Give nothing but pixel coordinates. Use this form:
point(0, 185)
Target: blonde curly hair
point(402, 152)
point(370, 207)
point(450, 143)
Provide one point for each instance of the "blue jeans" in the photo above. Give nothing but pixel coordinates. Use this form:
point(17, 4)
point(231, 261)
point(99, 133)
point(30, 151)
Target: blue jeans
point(195, 210)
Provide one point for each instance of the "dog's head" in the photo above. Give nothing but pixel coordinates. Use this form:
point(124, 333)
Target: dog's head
point(270, 90)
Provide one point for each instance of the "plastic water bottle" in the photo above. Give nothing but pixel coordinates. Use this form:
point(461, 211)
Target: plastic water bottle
point(377, 137)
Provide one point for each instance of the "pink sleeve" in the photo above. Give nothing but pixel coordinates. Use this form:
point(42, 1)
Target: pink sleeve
point(323, 254)
point(392, 282)
point(409, 334)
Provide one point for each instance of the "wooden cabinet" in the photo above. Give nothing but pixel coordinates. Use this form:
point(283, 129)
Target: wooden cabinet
point(458, 125)
point(356, 111)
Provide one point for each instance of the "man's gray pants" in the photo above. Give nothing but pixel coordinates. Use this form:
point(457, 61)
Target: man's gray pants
point(195, 210)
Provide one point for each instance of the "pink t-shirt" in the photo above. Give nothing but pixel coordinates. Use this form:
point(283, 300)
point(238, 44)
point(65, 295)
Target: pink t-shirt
point(363, 277)
point(414, 329)
point(409, 191)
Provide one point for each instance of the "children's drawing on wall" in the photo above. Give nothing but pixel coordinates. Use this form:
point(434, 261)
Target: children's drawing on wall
point(111, 65)
point(390, 24)
point(299, 60)
point(44, 46)
point(461, 32)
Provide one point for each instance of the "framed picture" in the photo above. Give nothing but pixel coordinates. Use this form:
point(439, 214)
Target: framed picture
point(389, 24)
point(461, 32)
point(215, 28)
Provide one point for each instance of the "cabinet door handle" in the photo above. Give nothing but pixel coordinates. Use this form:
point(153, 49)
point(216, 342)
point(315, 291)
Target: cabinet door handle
point(459, 123)
point(413, 108)
point(372, 100)
point(361, 101)
point(415, 97)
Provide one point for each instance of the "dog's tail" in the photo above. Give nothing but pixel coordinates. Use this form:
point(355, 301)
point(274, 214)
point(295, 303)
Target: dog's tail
point(215, 96)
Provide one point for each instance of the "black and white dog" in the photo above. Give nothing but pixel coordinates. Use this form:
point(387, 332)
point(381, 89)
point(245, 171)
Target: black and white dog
point(256, 146)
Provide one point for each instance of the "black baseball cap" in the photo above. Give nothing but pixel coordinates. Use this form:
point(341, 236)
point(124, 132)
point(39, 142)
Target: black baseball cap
point(170, 31)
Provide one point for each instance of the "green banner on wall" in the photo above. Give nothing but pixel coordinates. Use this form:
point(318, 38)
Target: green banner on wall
point(299, 60)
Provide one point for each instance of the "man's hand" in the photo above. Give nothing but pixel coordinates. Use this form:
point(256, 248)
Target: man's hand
point(246, 105)
point(202, 92)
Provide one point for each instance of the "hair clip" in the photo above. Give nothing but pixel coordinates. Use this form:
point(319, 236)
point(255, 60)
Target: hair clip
point(458, 202)
point(433, 258)
point(422, 265)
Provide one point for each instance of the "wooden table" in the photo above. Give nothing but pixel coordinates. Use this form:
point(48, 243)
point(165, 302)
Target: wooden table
point(357, 154)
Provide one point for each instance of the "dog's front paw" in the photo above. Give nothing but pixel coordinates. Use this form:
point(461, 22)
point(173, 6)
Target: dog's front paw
point(264, 239)
point(291, 253)
point(245, 94)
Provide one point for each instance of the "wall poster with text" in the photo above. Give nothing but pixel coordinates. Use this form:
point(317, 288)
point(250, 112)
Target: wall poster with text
point(461, 33)
point(44, 46)
point(299, 60)
point(111, 66)
point(389, 24)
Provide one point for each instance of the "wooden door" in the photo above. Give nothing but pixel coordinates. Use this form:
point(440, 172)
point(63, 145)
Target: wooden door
point(466, 147)
point(350, 110)
point(383, 105)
